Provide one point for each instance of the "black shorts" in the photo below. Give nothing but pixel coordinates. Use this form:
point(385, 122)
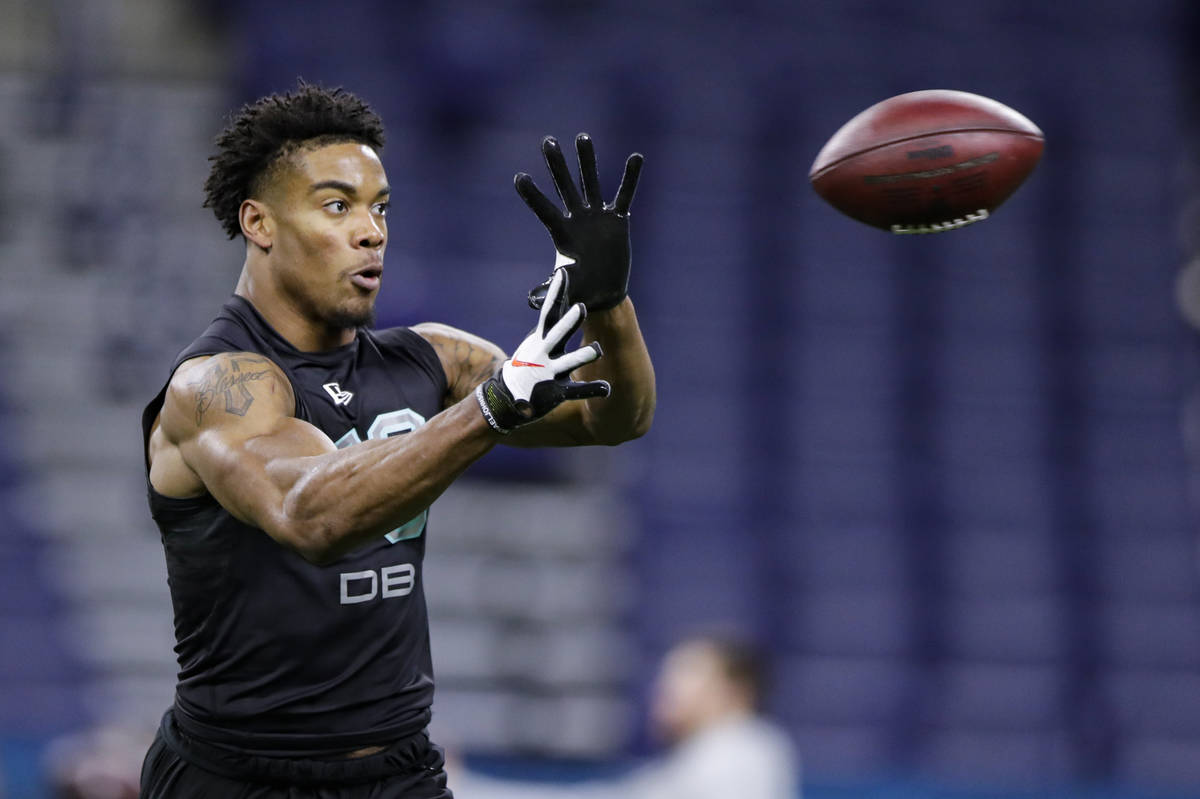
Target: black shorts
point(178, 767)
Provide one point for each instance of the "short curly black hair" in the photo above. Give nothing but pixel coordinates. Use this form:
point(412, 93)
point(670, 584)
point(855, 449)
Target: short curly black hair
point(265, 132)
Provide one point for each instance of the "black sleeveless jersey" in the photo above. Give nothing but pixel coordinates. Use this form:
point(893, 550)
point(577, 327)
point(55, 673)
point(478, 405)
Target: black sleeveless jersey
point(276, 654)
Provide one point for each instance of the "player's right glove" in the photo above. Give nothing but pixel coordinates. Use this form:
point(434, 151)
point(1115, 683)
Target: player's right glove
point(535, 380)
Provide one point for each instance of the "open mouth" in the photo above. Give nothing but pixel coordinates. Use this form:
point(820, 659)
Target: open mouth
point(367, 278)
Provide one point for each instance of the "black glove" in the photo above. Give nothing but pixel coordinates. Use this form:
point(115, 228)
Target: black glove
point(534, 381)
point(592, 239)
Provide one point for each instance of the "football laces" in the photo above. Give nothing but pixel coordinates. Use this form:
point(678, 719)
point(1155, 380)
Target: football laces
point(942, 227)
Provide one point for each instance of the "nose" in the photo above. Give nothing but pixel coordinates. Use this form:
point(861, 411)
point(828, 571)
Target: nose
point(371, 234)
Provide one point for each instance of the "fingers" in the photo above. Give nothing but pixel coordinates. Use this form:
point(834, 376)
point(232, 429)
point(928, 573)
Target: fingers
point(565, 327)
point(633, 168)
point(590, 390)
point(539, 203)
point(573, 360)
point(589, 176)
point(556, 288)
point(557, 163)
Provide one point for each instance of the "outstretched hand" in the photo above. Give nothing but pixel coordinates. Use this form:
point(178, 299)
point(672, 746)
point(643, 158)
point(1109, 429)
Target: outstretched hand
point(591, 237)
point(536, 379)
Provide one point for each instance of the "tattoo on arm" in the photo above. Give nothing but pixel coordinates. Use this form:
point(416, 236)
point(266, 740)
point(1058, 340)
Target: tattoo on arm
point(479, 365)
point(474, 364)
point(230, 383)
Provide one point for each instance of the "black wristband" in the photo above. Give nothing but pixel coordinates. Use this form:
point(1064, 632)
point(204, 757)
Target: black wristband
point(498, 407)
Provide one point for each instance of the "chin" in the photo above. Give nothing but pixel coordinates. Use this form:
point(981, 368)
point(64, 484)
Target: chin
point(351, 317)
point(669, 736)
point(666, 730)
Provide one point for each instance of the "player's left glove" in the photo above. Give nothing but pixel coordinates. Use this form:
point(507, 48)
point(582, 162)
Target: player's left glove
point(592, 238)
point(535, 380)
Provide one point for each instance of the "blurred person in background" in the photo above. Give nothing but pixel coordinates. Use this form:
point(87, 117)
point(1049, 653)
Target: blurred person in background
point(293, 454)
point(97, 764)
point(707, 707)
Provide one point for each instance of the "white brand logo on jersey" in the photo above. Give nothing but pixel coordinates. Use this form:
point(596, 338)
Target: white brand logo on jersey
point(395, 581)
point(336, 394)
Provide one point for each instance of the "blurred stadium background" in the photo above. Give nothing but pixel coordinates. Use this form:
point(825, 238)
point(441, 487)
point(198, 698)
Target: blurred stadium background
point(950, 483)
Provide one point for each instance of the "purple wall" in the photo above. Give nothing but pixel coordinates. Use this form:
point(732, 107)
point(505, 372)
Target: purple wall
point(941, 478)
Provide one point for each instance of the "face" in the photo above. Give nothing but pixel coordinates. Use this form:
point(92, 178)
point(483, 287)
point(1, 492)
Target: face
point(328, 208)
point(690, 690)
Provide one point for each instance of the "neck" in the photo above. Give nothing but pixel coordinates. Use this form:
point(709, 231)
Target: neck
point(718, 717)
point(288, 320)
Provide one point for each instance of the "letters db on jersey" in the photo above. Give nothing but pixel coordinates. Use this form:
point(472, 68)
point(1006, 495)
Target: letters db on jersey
point(388, 583)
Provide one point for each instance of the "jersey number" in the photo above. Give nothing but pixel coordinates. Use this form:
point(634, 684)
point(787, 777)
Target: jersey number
point(386, 425)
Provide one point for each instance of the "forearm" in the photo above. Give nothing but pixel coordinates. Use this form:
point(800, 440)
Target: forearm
point(629, 410)
point(341, 500)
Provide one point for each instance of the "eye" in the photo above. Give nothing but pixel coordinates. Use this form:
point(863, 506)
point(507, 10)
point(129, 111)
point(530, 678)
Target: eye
point(337, 206)
point(382, 208)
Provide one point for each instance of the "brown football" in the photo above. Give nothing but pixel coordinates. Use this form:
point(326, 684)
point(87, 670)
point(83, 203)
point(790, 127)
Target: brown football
point(927, 161)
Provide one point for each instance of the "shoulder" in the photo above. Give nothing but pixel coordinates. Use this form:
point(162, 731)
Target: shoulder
point(444, 336)
point(394, 337)
point(231, 330)
point(723, 761)
point(466, 358)
point(754, 733)
point(753, 743)
point(216, 390)
point(429, 338)
point(408, 345)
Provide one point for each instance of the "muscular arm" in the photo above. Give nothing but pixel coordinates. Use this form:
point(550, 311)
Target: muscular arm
point(227, 427)
point(626, 414)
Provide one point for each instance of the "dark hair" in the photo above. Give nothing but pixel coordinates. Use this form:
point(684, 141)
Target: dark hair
point(742, 663)
point(262, 134)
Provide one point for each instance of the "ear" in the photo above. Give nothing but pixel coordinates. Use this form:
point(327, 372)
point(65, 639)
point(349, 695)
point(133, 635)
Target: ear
point(257, 225)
